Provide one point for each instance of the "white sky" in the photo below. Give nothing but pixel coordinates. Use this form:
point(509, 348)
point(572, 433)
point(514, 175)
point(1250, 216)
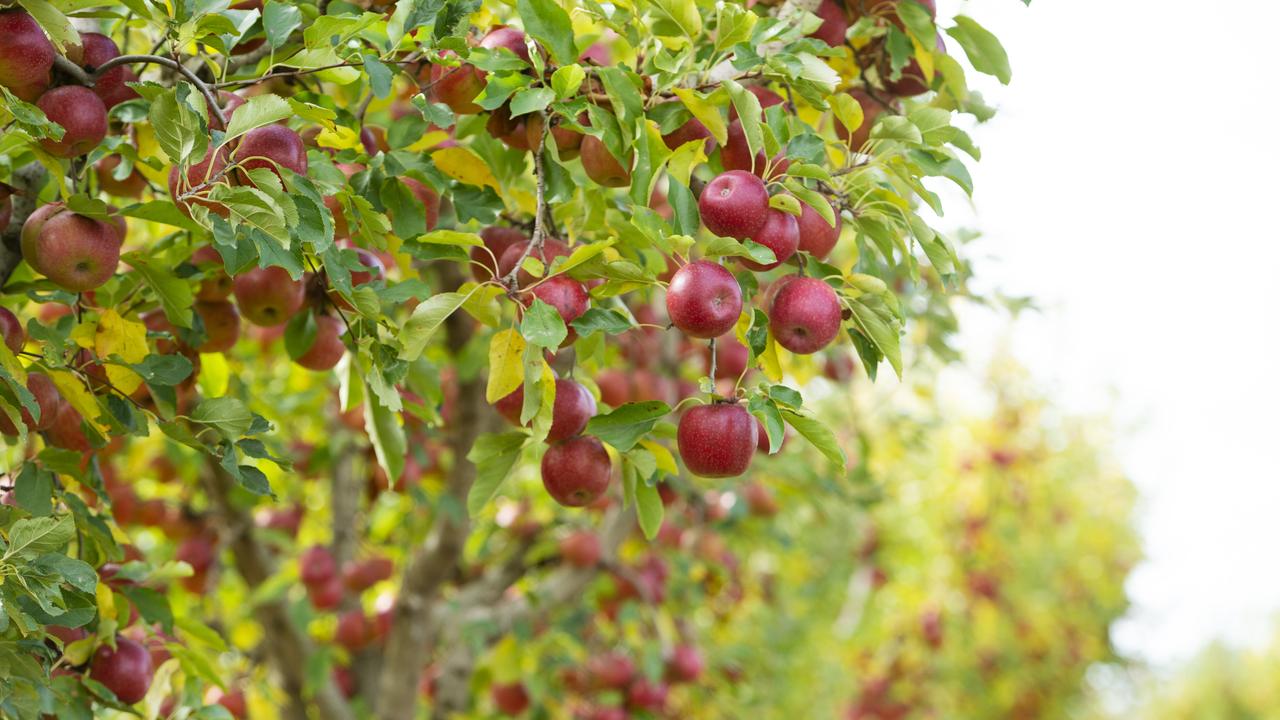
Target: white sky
point(1126, 184)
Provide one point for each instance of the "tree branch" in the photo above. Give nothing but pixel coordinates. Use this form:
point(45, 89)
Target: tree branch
point(172, 65)
point(288, 646)
point(539, 210)
point(26, 183)
point(433, 563)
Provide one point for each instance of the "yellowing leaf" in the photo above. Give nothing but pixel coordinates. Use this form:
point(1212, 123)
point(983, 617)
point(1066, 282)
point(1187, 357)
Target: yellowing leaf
point(428, 140)
point(74, 392)
point(339, 138)
point(465, 166)
point(506, 366)
point(10, 363)
point(126, 338)
point(84, 334)
point(706, 113)
point(666, 461)
point(769, 358)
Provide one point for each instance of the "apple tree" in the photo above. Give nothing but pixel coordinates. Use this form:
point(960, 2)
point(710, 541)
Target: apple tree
point(349, 347)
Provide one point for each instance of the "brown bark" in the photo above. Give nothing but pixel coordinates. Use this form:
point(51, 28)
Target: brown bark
point(26, 182)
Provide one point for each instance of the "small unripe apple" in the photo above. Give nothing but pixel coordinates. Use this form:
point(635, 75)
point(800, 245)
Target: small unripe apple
point(82, 116)
point(271, 147)
point(601, 166)
point(704, 299)
point(577, 471)
point(817, 237)
point(76, 252)
point(268, 296)
point(15, 337)
point(734, 204)
point(328, 348)
point(221, 325)
point(805, 316)
point(717, 440)
point(781, 234)
point(125, 671)
point(510, 698)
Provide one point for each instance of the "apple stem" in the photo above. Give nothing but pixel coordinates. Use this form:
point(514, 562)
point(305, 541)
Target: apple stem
point(712, 344)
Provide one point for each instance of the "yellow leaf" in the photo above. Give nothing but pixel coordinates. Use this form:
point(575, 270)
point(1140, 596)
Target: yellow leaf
point(465, 166)
point(9, 362)
point(84, 334)
point(145, 139)
point(769, 358)
point(125, 338)
point(339, 138)
point(214, 375)
point(106, 601)
point(666, 461)
point(706, 113)
point(506, 365)
point(481, 303)
point(428, 140)
point(925, 57)
point(74, 392)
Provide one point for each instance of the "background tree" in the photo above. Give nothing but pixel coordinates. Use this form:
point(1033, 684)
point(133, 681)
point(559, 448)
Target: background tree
point(268, 266)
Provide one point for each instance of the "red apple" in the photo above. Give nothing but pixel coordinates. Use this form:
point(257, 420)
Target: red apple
point(781, 234)
point(268, 296)
point(125, 671)
point(271, 147)
point(805, 316)
point(496, 241)
point(47, 400)
point(221, 325)
point(817, 237)
point(110, 86)
point(577, 471)
point(736, 155)
point(581, 548)
point(551, 249)
point(510, 698)
point(717, 440)
point(835, 23)
point(82, 116)
point(734, 204)
point(76, 252)
point(15, 337)
point(573, 408)
point(601, 166)
point(131, 186)
point(26, 55)
point(457, 87)
point(328, 348)
point(684, 665)
point(704, 299)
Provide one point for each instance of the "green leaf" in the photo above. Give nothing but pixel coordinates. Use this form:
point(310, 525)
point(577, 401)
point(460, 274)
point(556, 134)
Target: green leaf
point(566, 80)
point(52, 21)
point(426, 319)
point(387, 437)
point(380, 76)
point(163, 370)
point(151, 605)
point(880, 327)
point(279, 20)
point(985, 52)
point(706, 113)
point(677, 17)
point(625, 426)
point(918, 21)
point(258, 111)
point(819, 435)
point(76, 573)
point(531, 100)
point(300, 334)
point(31, 537)
point(179, 129)
point(543, 326)
point(594, 320)
point(729, 247)
point(550, 25)
point(173, 292)
point(33, 489)
point(769, 415)
point(228, 415)
point(493, 456)
point(749, 112)
point(649, 509)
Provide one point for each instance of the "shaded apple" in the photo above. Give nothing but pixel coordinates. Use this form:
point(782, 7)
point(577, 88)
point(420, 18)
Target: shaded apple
point(568, 296)
point(835, 23)
point(15, 337)
point(66, 431)
point(317, 566)
point(805, 316)
point(76, 252)
point(221, 325)
point(510, 698)
point(781, 234)
point(458, 86)
point(328, 348)
point(684, 665)
point(110, 86)
point(736, 155)
point(581, 548)
point(216, 284)
point(573, 409)
point(551, 249)
point(26, 55)
point(429, 198)
point(131, 186)
point(268, 296)
point(270, 147)
point(577, 471)
point(82, 116)
point(47, 401)
point(734, 204)
point(704, 299)
point(717, 440)
point(817, 237)
point(601, 166)
point(232, 699)
point(568, 142)
point(196, 181)
point(612, 671)
point(125, 670)
point(496, 241)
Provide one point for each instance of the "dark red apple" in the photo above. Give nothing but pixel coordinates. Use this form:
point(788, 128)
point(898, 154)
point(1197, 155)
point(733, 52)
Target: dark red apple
point(15, 337)
point(717, 440)
point(736, 155)
point(82, 116)
point(271, 147)
point(734, 204)
point(328, 348)
point(110, 86)
point(26, 55)
point(496, 241)
point(510, 698)
point(217, 284)
point(577, 471)
point(221, 325)
point(781, 234)
point(817, 237)
point(805, 316)
point(364, 574)
point(198, 177)
point(551, 249)
point(125, 671)
point(47, 400)
point(131, 186)
point(457, 87)
point(835, 23)
point(704, 299)
point(574, 407)
point(429, 198)
point(76, 252)
point(601, 166)
point(268, 296)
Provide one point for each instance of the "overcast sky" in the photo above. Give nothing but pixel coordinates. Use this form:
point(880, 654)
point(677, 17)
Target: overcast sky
point(1130, 184)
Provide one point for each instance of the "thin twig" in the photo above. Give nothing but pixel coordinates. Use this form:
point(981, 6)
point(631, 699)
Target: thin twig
point(539, 212)
point(172, 65)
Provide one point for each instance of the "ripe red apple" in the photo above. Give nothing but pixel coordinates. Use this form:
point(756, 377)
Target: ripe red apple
point(615, 387)
point(704, 299)
point(551, 249)
point(26, 55)
point(513, 132)
point(457, 87)
point(781, 234)
point(217, 284)
point(199, 175)
point(717, 440)
point(736, 154)
point(374, 140)
point(734, 204)
point(574, 407)
point(317, 566)
point(601, 166)
point(354, 630)
point(326, 596)
point(66, 431)
point(604, 713)
point(581, 548)
point(125, 671)
point(505, 36)
point(15, 337)
point(760, 500)
point(805, 316)
point(496, 241)
point(817, 237)
point(691, 130)
point(835, 23)
point(577, 471)
point(271, 147)
point(76, 252)
point(268, 296)
point(364, 574)
point(429, 198)
point(47, 400)
point(510, 698)
point(110, 86)
point(328, 347)
point(221, 325)
point(647, 695)
point(568, 296)
point(82, 116)
point(612, 670)
point(131, 186)
point(228, 102)
point(684, 665)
